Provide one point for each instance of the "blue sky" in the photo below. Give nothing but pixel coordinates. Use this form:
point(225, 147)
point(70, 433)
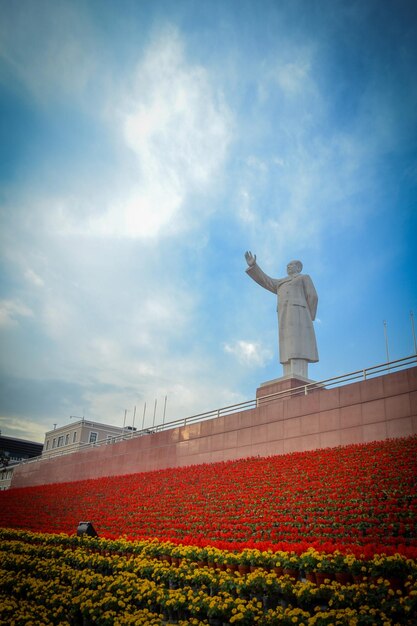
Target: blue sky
point(146, 145)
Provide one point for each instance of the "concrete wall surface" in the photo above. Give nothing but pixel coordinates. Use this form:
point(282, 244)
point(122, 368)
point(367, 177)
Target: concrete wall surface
point(374, 409)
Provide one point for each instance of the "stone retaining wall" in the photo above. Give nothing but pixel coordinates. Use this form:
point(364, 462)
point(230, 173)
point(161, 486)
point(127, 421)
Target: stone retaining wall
point(374, 409)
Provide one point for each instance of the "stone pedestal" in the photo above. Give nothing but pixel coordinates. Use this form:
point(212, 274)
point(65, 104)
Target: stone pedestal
point(297, 368)
point(280, 385)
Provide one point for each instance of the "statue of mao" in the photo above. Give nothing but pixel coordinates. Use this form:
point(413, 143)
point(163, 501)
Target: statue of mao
point(296, 306)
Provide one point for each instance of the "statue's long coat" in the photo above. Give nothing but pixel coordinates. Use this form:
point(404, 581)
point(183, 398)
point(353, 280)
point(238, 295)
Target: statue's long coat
point(296, 306)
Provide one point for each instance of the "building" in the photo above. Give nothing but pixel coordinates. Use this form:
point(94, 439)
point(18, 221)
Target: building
point(62, 440)
point(76, 435)
point(6, 475)
point(12, 452)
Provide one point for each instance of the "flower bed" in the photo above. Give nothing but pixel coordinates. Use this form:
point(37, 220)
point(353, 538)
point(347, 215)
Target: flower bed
point(359, 498)
point(59, 579)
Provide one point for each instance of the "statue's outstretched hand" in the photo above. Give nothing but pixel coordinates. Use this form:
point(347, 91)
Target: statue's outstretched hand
point(250, 258)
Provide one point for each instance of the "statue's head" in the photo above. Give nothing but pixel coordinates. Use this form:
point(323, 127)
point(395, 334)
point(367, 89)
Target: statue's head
point(294, 267)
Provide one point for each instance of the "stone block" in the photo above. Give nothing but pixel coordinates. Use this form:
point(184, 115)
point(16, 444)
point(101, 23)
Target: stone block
point(193, 448)
point(242, 452)
point(293, 407)
point(292, 427)
point(217, 442)
point(218, 424)
point(374, 432)
point(413, 402)
point(273, 411)
point(184, 434)
point(396, 383)
point(206, 428)
point(262, 415)
point(310, 442)
point(163, 438)
point(280, 386)
point(397, 406)
point(217, 456)
point(310, 403)
point(350, 394)
point(260, 449)
point(330, 439)
point(373, 411)
point(292, 444)
point(245, 419)
point(204, 445)
point(400, 427)
point(231, 422)
point(351, 416)
point(244, 437)
point(275, 447)
point(329, 399)
point(309, 424)
point(229, 454)
point(173, 434)
point(259, 434)
point(197, 459)
point(329, 420)
point(412, 378)
point(182, 448)
point(194, 430)
point(230, 439)
point(372, 389)
point(275, 430)
point(351, 435)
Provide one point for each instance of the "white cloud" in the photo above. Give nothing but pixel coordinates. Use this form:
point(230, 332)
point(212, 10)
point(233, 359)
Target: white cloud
point(278, 161)
point(249, 353)
point(34, 278)
point(59, 317)
point(309, 186)
point(171, 131)
point(22, 428)
point(11, 311)
point(257, 164)
point(165, 315)
point(184, 398)
point(244, 211)
point(177, 130)
point(291, 74)
point(292, 77)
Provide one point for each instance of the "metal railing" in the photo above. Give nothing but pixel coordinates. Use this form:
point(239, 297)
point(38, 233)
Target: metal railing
point(363, 374)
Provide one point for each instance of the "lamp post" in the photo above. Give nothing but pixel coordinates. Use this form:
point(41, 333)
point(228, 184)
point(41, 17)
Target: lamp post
point(386, 342)
point(143, 417)
point(124, 422)
point(413, 331)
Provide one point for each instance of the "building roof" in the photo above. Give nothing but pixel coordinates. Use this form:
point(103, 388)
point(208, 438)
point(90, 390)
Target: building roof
point(20, 446)
point(85, 422)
